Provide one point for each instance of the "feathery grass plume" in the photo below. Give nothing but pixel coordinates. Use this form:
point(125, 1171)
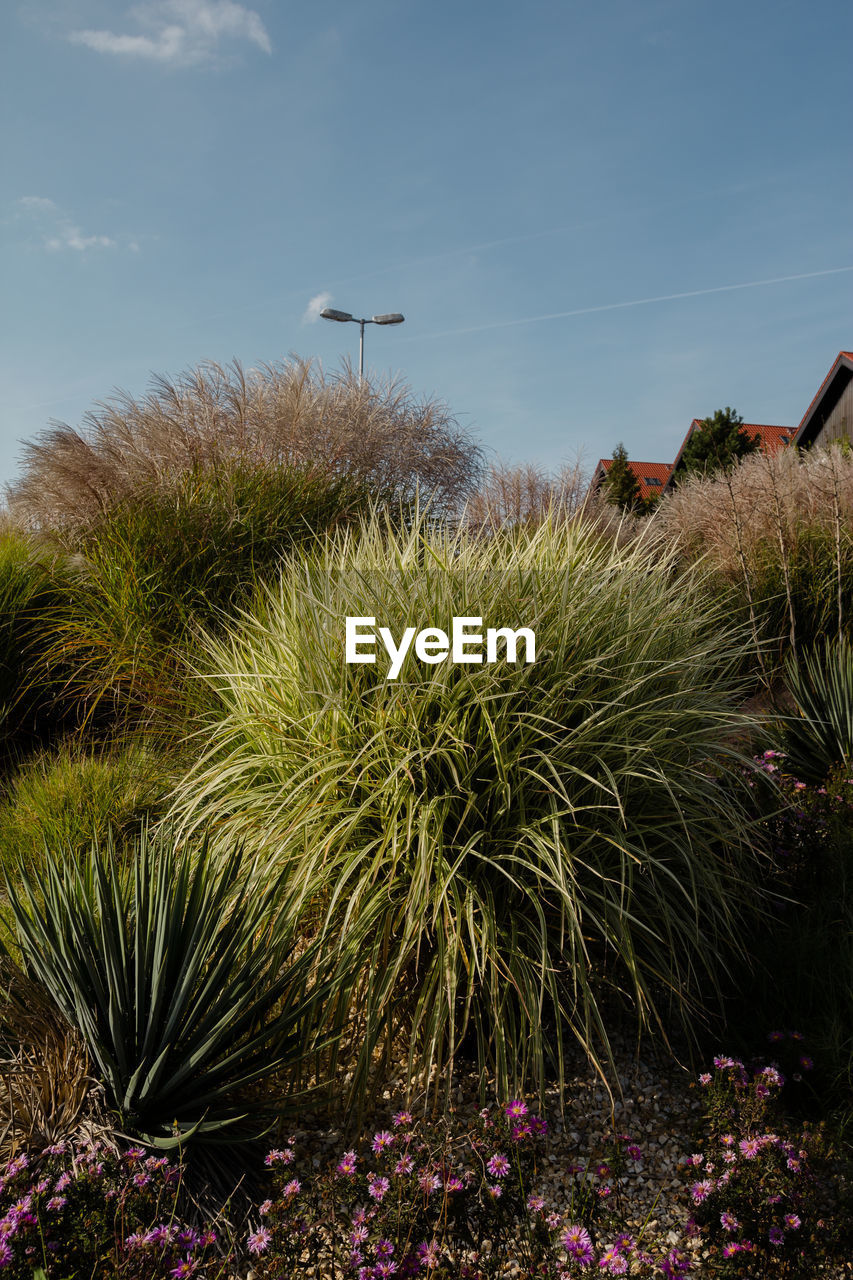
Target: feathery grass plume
point(290, 414)
point(776, 533)
point(490, 850)
point(526, 495)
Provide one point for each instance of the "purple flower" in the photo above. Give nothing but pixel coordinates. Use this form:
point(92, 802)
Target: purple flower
point(377, 1188)
point(613, 1261)
point(382, 1140)
point(186, 1268)
point(404, 1165)
point(750, 1147)
point(384, 1249)
point(701, 1190)
point(535, 1204)
point(429, 1254)
point(792, 1222)
point(498, 1166)
point(775, 1235)
point(292, 1188)
point(516, 1109)
point(57, 1202)
point(403, 1117)
point(280, 1157)
point(347, 1165)
point(634, 1152)
point(259, 1240)
point(577, 1243)
point(729, 1222)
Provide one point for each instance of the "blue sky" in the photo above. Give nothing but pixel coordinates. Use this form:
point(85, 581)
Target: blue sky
point(183, 178)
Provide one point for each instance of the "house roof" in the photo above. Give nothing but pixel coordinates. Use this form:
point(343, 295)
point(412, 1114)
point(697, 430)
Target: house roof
point(827, 395)
point(651, 476)
point(771, 437)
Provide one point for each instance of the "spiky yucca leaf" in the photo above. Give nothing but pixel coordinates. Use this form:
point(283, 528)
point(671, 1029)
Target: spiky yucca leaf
point(179, 984)
point(821, 683)
point(490, 848)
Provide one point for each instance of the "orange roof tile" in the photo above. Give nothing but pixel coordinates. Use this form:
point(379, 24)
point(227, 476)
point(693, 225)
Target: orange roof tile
point(647, 473)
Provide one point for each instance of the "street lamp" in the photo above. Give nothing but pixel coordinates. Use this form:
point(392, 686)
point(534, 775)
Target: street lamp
point(393, 317)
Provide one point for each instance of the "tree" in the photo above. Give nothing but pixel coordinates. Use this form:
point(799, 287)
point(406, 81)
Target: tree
point(621, 486)
point(717, 444)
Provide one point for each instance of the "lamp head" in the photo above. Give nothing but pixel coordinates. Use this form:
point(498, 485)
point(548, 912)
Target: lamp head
point(329, 313)
point(393, 317)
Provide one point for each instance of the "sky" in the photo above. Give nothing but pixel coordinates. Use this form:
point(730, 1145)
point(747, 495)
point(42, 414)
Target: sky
point(600, 218)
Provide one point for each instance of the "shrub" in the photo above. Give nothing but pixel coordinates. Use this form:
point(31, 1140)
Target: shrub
point(776, 535)
point(183, 990)
point(85, 1210)
point(27, 605)
point(762, 1196)
point(164, 560)
point(803, 950)
point(489, 848)
point(67, 799)
point(283, 415)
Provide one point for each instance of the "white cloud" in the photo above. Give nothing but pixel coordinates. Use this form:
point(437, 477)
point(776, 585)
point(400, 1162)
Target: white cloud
point(180, 32)
point(39, 204)
point(312, 312)
point(71, 237)
point(58, 231)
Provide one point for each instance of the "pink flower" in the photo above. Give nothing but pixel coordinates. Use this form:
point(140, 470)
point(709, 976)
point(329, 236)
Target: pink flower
point(701, 1190)
point(377, 1188)
point(382, 1140)
point(516, 1109)
point(750, 1147)
point(577, 1243)
point(280, 1157)
point(792, 1222)
point(498, 1166)
point(403, 1117)
point(259, 1240)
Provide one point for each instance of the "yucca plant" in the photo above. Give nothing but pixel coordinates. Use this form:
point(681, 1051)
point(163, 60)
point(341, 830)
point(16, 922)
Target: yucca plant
point(183, 989)
point(491, 849)
point(821, 736)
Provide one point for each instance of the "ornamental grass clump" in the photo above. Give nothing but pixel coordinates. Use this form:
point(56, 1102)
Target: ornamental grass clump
point(490, 849)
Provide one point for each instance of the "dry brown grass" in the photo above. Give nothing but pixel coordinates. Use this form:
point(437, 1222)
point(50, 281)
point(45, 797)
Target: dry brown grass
point(527, 495)
point(778, 529)
point(290, 413)
point(766, 497)
point(46, 1092)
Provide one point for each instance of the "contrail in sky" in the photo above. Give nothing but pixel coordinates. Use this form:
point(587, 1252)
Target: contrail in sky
point(634, 302)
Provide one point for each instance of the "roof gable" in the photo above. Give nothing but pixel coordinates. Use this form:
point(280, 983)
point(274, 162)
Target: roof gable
point(824, 401)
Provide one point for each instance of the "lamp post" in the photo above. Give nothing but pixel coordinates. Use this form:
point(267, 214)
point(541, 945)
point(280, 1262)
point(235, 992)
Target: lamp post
point(393, 317)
